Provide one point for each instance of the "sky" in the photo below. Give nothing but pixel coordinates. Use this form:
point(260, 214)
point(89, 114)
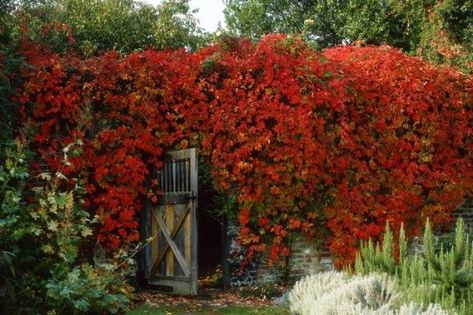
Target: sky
point(210, 12)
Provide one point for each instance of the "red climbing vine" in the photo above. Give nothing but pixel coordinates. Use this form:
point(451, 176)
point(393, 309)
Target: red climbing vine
point(330, 144)
point(405, 146)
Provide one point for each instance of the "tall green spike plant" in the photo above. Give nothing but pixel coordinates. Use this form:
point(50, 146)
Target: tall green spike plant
point(435, 273)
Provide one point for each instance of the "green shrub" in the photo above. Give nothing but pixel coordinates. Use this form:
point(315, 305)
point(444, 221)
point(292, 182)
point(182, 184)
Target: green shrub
point(88, 289)
point(433, 274)
point(42, 226)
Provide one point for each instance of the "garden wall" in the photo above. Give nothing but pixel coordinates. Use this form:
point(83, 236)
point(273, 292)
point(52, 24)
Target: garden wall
point(465, 211)
point(307, 258)
point(368, 134)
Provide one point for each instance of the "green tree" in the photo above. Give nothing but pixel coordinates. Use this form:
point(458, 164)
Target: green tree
point(94, 26)
point(373, 22)
point(441, 31)
point(324, 23)
point(10, 61)
point(91, 27)
point(177, 26)
point(99, 25)
point(255, 18)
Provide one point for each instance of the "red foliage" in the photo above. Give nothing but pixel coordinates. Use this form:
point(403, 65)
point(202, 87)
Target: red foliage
point(343, 140)
point(124, 110)
point(405, 150)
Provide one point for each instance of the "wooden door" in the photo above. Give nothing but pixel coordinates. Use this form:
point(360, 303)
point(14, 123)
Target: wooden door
point(171, 257)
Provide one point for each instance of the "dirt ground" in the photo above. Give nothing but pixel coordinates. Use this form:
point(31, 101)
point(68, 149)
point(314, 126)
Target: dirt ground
point(205, 298)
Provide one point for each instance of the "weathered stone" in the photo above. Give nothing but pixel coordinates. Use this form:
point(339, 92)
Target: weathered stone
point(465, 211)
point(306, 258)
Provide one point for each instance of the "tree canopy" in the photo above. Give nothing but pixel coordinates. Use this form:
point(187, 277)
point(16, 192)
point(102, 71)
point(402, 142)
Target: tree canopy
point(441, 31)
point(95, 26)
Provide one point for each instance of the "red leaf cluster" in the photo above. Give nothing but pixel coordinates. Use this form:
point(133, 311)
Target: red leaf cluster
point(330, 144)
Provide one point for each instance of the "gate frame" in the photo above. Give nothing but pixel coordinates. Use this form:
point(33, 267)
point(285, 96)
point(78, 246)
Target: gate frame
point(144, 278)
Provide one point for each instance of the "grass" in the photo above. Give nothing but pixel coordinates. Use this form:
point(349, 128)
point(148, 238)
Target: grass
point(206, 309)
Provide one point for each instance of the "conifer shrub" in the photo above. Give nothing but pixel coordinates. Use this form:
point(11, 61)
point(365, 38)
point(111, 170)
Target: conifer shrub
point(435, 273)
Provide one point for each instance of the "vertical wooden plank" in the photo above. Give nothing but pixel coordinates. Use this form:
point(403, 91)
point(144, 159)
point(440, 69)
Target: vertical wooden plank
point(179, 240)
point(173, 174)
point(178, 176)
point(183, 172)
point(181, 175)
point(161, 244)
point(186, 175)
point(163, 178)
point(168, 177)
point(169, 254)
point(163, 174)
point(187, 240)
point(154, 242)
point(161, 183)
point(194, 193)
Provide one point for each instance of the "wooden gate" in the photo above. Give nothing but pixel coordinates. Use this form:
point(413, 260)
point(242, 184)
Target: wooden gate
point(171, 257)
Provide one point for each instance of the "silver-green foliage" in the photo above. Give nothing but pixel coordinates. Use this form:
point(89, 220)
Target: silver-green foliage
point(339, 293)
point(416, 309)
point(432, 274)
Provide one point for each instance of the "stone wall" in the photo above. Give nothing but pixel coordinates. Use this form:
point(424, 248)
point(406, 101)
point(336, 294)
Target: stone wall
point(465, 211)
point(306, 257)
point(237, 276)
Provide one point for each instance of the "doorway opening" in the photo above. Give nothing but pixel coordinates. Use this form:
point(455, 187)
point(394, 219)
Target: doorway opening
point(211, 231)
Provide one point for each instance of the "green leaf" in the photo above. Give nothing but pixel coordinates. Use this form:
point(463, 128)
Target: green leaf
point(52, 225)
point(82, 305)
